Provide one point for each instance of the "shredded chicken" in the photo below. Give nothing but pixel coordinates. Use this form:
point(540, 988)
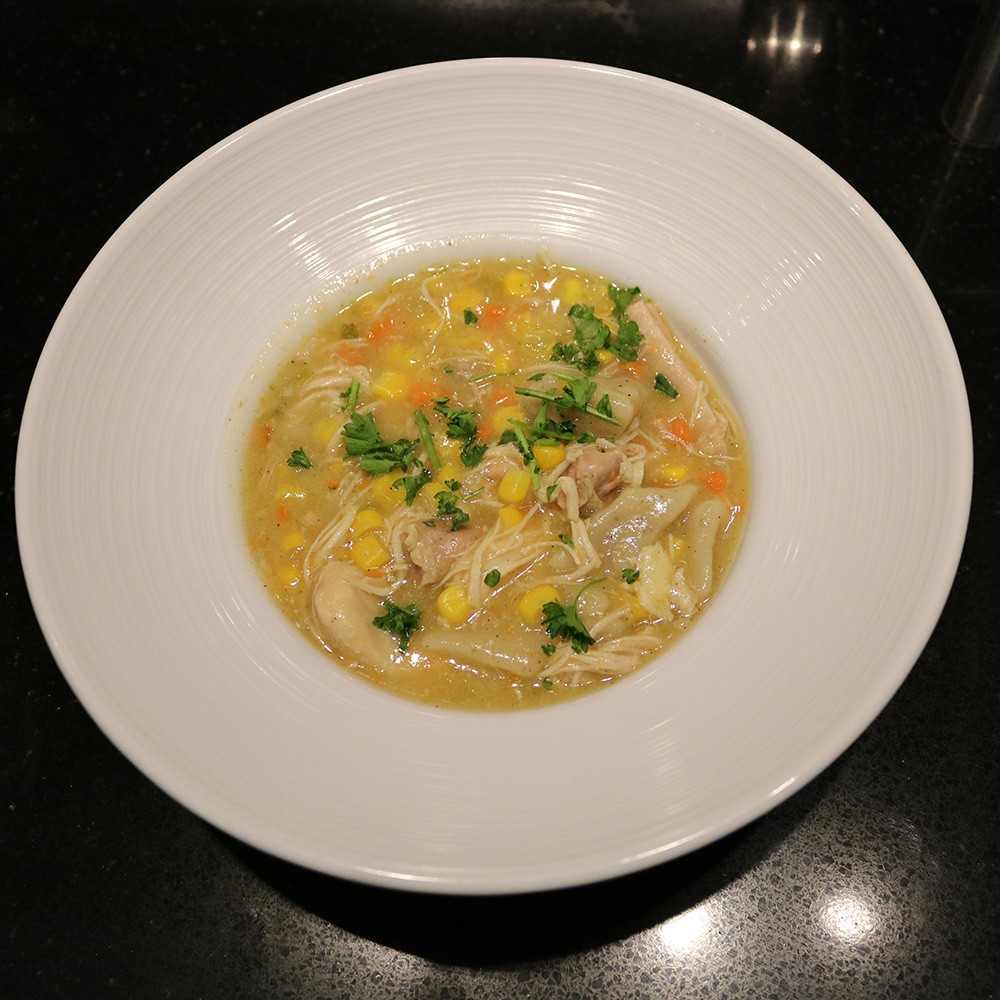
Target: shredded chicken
point(710, 427)
point(344, 602)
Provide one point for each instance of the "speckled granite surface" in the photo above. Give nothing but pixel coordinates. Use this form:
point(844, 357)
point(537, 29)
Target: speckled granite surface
point(880, 879)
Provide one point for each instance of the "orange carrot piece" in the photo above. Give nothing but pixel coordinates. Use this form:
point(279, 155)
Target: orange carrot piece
point(501, 395)
point(424, 393)
point(351, 354)
point(636, 368)
point(381, 329)
point(716, 480)
point(283, 513)
point(263, 434)
point(681, 429)
point(492, 314)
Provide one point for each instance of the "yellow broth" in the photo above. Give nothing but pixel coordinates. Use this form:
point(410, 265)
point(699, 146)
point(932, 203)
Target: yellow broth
point(500, 416)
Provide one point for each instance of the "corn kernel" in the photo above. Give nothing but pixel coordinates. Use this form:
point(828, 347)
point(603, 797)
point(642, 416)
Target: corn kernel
point(519, 282)
point(530, 607)
point(399, 354)
point(391, 385)
point(514, 486)
point(509, 516)
point(465, 298)
point(447, 449)
point(323, 430)
point(450, 470)
point(572, 290)
point(384, 496)
point(604, 356)
point(505, 414)
point(453, 603)
point(367, 519)
point(548, 456)
point(287, 575)
point(369, 552)
point(293, 540)
point(661, 473)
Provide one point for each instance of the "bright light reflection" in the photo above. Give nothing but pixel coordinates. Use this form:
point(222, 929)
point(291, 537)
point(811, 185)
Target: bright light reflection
point(687, 931)
point(848, 917)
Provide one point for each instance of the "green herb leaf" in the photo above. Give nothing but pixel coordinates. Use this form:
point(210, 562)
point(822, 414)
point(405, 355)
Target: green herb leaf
point(537, 377)
point(548, 649)
point(453, 484)
point(401, 622)
point(299, 460)
point(350, 396)
point(472, 453)
point(547, 683)
point(376, 455)
point(662, 384)
point(566, 540)
point(630, 575)
point(492, 578)
point(458, 423)
point(470, 317)
point(424, 430)
point(412, 485)
point(561, 621)
point(592, 334)
point(448, 507)
point(549, 490)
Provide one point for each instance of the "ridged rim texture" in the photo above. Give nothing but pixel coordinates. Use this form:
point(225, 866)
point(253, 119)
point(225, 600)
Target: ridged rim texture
point(800, 300)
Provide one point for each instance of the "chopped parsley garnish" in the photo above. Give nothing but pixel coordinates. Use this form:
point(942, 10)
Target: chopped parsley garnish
point(453, 484)
point(470, 317)
point(561, 621)
point(401, 622)
point(549, 490)
point(348, 332)
point(412, 485)
point(299, 460)
point(566, 540)
point(448, 507)
point(591, 334)
point(350, 396)
point(424, 430)
point(547, 682)
point(630, 575)
point(662, 384)
point(461, 424)
point(537, 377)
point(376, 455)
point(548, 649)
point(575, 395)
point(492, 578)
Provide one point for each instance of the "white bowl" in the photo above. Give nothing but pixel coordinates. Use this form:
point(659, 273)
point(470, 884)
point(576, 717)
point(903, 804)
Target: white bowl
point(802, 302)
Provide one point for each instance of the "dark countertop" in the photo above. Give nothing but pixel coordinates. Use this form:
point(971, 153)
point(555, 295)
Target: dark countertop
point(879, 879)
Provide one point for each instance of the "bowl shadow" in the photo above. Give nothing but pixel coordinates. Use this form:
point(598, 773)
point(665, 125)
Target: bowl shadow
point(496, 931)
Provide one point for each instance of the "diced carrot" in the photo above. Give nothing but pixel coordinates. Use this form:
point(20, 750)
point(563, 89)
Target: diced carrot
point(499, 395)
point(382, 328)
point(424, 393)
point(716, 480)
point(680, 428)
point(263, 434)
point(636, 368)
point(351, 354)
point(484, 429)
point(283, 513)
point(492, 314)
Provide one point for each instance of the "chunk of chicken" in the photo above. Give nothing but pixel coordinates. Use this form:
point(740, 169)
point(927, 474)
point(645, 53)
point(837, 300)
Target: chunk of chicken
point(596, 470)
point(343, 607)
point(434, 550)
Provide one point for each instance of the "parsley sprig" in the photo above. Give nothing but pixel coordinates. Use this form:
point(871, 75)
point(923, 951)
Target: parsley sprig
point(401, 622)
point(447, 506)
point(562, 621)
point(461, 425)
point(363, 440)
point(591, 334)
